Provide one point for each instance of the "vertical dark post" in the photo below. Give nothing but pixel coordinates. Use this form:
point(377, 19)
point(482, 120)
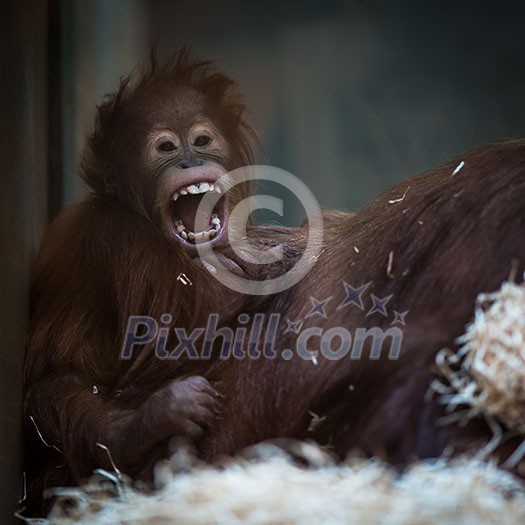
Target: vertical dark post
point(55, 98)
point(24, 157)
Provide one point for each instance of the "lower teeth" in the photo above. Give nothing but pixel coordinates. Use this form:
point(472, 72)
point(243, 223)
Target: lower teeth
point(199, 236)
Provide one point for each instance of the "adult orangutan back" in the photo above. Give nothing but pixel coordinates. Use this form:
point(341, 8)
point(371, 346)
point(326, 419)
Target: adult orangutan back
point(413, 260)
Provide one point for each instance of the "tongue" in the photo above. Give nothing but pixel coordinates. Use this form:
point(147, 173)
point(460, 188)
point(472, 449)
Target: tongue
point(186, 210)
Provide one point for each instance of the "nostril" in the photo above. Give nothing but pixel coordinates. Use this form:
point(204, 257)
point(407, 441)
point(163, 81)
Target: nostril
point(191, 163)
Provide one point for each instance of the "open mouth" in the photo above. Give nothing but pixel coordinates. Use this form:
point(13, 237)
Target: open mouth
point(191, 225)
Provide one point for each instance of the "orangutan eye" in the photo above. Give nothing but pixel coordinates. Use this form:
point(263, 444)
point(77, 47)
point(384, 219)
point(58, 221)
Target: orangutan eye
point(166, 146)
point(202, 140)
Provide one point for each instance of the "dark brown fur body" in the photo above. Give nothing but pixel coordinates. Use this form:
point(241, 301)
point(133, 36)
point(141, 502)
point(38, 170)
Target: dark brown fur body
point(451, 237)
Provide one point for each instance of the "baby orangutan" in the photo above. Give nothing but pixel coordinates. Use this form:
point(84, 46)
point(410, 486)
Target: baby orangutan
point(159, 144)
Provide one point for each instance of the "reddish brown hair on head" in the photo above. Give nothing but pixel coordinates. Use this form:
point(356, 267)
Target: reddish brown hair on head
point(180, 69)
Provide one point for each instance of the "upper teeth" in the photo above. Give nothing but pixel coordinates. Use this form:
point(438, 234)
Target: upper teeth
point(194, 189)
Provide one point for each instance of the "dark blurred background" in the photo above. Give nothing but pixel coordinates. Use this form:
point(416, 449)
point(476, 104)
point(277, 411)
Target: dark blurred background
point(349, 96)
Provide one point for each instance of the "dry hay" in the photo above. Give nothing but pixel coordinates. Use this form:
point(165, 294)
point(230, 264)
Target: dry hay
point(273, 490)
point(487, 373)
point(491, 377)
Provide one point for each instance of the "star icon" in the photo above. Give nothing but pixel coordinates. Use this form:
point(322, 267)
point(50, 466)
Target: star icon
point(318, 307)
point(354, 295)
point(399, 318)
point(379, 305)
point(293, 326)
